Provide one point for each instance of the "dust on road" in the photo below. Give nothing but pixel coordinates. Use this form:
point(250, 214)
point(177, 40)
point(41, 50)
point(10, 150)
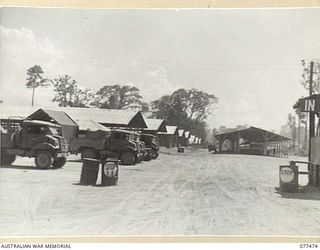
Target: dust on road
point(195, 193)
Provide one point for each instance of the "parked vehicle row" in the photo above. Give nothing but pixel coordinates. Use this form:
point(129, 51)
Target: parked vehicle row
point(44, 142)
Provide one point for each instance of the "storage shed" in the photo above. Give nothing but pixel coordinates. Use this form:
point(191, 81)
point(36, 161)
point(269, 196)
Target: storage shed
point(192, 139)
point(180, 136)
point(185, 138)
point(254, 140)
point(112, 118)
point(170, 138)
point(68, 126)
point(154, 126)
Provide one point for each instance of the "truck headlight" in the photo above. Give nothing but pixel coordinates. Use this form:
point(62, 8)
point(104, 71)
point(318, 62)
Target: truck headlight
point(55, 143)
point(134, 145)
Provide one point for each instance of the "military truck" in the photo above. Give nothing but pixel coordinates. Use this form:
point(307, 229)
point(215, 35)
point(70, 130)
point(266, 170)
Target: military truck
point(106, 144)
point(141, 148)
point(151, 145)
point(212, 147)
point(34, 139)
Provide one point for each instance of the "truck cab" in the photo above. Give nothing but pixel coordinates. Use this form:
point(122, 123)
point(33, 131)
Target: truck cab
point(31, 138)
point(151, 145)
point(105, 144)
point(140, 147)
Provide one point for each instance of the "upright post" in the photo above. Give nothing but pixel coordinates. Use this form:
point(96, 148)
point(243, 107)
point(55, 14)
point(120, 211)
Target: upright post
point(311, 123)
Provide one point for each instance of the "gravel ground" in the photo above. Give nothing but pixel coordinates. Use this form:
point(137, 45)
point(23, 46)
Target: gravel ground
point(195, 193)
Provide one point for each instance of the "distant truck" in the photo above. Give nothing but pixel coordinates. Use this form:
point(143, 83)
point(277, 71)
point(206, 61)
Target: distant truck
point(151, 145)
point(107, 144)
point(35, 139)
point(212, 147)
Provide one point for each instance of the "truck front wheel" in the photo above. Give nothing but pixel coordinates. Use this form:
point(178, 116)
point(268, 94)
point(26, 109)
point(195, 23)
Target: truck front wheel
point(127, 158)
point(138, 159)
point(6, 159)
point(59, 162)
point(43, 160)
point(147, 157)
point(155, 154)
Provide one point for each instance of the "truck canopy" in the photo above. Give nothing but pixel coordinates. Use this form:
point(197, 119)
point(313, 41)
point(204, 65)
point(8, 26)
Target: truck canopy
point(43, 123)
point(2, 130)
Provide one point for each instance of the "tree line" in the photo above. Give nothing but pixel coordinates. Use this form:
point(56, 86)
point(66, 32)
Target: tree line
point(185, 108)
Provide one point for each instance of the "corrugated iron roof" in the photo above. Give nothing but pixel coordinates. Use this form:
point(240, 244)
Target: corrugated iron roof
point(156, 125)
point(105, 116)
point(108, 116)
point(58, 116)
point(187, 134)
point(254, 134)
point(171, 130)
point(181, 132)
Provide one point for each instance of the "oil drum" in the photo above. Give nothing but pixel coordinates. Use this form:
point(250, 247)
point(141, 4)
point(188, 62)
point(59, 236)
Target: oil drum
point(89, 172)
point(110, 172)
point(288, 177)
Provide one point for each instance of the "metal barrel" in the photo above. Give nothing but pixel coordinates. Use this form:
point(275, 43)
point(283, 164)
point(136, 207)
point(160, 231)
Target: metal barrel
point(110, 172)
point(89, 171)
point(288, 178)
point(180, 150)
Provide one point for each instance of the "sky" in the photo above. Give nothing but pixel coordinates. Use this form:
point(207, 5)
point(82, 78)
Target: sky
point(249, 58)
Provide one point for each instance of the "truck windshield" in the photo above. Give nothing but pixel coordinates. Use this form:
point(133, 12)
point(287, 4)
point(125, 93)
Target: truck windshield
point(136, 138)
point(131, 137)
point(54, 131)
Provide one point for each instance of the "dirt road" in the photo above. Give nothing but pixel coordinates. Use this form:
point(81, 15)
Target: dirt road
point(195, 193)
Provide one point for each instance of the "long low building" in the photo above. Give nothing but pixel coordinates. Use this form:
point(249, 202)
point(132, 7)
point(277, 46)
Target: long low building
point(170, 138)
point(112, 118)
point(254, 140)
point(69, 117)
point(154, 126)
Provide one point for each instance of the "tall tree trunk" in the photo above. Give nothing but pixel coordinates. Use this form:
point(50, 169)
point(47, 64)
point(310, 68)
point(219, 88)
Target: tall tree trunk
point(33, 90)
point(65, 101)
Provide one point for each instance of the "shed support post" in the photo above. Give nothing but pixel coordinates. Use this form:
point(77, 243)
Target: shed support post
point(238, 142)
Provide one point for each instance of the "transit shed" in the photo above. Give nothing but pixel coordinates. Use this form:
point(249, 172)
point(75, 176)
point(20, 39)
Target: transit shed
point(185, 138)
point(255, 140)
point(154, 126)
point(170, 138)
point(111, 118)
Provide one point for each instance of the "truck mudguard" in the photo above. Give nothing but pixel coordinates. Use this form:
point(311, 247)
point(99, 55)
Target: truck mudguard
point(44, 146)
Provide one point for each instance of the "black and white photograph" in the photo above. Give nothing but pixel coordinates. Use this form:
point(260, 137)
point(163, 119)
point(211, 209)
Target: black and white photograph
point(159, 122)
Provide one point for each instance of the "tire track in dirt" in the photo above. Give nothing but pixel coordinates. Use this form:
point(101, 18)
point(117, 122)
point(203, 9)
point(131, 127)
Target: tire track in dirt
point(33, 198)
point(113, 220)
